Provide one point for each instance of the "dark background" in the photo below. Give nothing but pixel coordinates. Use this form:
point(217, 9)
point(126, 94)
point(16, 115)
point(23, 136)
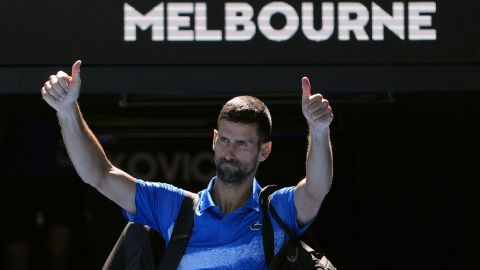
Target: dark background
point(405, 133)
point(55, 31)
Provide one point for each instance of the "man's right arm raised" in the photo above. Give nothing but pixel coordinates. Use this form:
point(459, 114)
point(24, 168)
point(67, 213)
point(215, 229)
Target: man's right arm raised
point(61, 92)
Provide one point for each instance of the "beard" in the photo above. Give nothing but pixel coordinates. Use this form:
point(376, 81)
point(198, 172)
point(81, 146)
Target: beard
point(233, 172)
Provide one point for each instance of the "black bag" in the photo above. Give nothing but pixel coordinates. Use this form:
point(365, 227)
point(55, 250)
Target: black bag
point(140, 248)
point(295, 254)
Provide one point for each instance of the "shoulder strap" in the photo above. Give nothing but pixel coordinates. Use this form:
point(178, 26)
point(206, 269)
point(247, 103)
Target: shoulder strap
point(264, 199)
point(267, 229)
point(280, 221)
point(181, 233)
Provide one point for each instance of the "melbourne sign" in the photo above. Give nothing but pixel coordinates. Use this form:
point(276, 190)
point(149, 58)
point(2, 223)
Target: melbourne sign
point(316, 21)
point(240, 32)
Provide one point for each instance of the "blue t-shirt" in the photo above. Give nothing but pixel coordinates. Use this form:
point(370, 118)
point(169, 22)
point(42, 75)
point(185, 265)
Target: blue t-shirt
point(218, 241)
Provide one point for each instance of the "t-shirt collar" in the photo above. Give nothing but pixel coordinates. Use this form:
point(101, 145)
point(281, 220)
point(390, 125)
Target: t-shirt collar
point(206, 200)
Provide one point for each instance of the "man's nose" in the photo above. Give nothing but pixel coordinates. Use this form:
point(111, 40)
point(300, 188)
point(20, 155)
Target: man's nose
point(230, 152)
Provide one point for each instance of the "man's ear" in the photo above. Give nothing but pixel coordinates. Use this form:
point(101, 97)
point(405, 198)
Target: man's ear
point(265, 150)
point(215, 137)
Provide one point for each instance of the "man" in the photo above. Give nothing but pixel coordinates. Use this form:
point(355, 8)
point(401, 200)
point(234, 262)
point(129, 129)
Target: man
point(226, 231)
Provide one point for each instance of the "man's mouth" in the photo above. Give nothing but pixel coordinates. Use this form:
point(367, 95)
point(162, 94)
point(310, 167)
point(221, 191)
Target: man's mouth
point(228, 163)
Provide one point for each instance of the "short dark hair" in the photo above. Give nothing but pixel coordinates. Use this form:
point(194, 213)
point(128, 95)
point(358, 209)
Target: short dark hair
point(248, 110)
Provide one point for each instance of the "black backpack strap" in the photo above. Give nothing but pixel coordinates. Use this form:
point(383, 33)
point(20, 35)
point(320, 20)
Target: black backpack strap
point(280, 221)
point(309, 235)
point(181, 233)
point(267, 228)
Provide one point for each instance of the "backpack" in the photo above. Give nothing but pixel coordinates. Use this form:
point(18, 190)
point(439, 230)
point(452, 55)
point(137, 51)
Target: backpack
point(140, 248)
point(295, 254)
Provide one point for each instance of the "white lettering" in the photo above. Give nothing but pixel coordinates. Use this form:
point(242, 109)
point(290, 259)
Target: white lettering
point(328, 19)
point(355, 25)
point(267, 29)
point(381, 19)
point(416, 21)
point(238, 22)
point(188, 21)
point(201, 31)
point(175, 21)
point(132, 18)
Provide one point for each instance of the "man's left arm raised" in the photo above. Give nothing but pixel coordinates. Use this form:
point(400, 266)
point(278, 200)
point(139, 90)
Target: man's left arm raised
point(311, 190)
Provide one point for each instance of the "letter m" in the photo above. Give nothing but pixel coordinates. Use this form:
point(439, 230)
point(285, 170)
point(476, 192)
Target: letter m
point(133, 19)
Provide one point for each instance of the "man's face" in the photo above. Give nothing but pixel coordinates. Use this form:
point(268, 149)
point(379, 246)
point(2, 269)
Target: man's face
point(237, 152)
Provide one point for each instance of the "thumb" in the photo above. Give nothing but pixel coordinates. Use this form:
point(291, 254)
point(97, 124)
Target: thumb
point(306, 87)
point(76, 72)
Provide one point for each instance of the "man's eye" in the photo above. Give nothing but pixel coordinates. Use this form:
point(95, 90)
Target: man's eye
point(242, 144)
point(223, 140)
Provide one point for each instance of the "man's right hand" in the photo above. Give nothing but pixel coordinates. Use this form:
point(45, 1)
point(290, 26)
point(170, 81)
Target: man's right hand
point(61, 91)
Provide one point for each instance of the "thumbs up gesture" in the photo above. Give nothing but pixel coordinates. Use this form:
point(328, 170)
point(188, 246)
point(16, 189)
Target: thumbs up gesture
point(316, 109)
point(62, 90)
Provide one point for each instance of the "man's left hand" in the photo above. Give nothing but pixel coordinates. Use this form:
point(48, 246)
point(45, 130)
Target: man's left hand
point(316, 109)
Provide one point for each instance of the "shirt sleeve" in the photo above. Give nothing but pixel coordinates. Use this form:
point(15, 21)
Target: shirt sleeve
point(283, 202)
point(157, 206)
